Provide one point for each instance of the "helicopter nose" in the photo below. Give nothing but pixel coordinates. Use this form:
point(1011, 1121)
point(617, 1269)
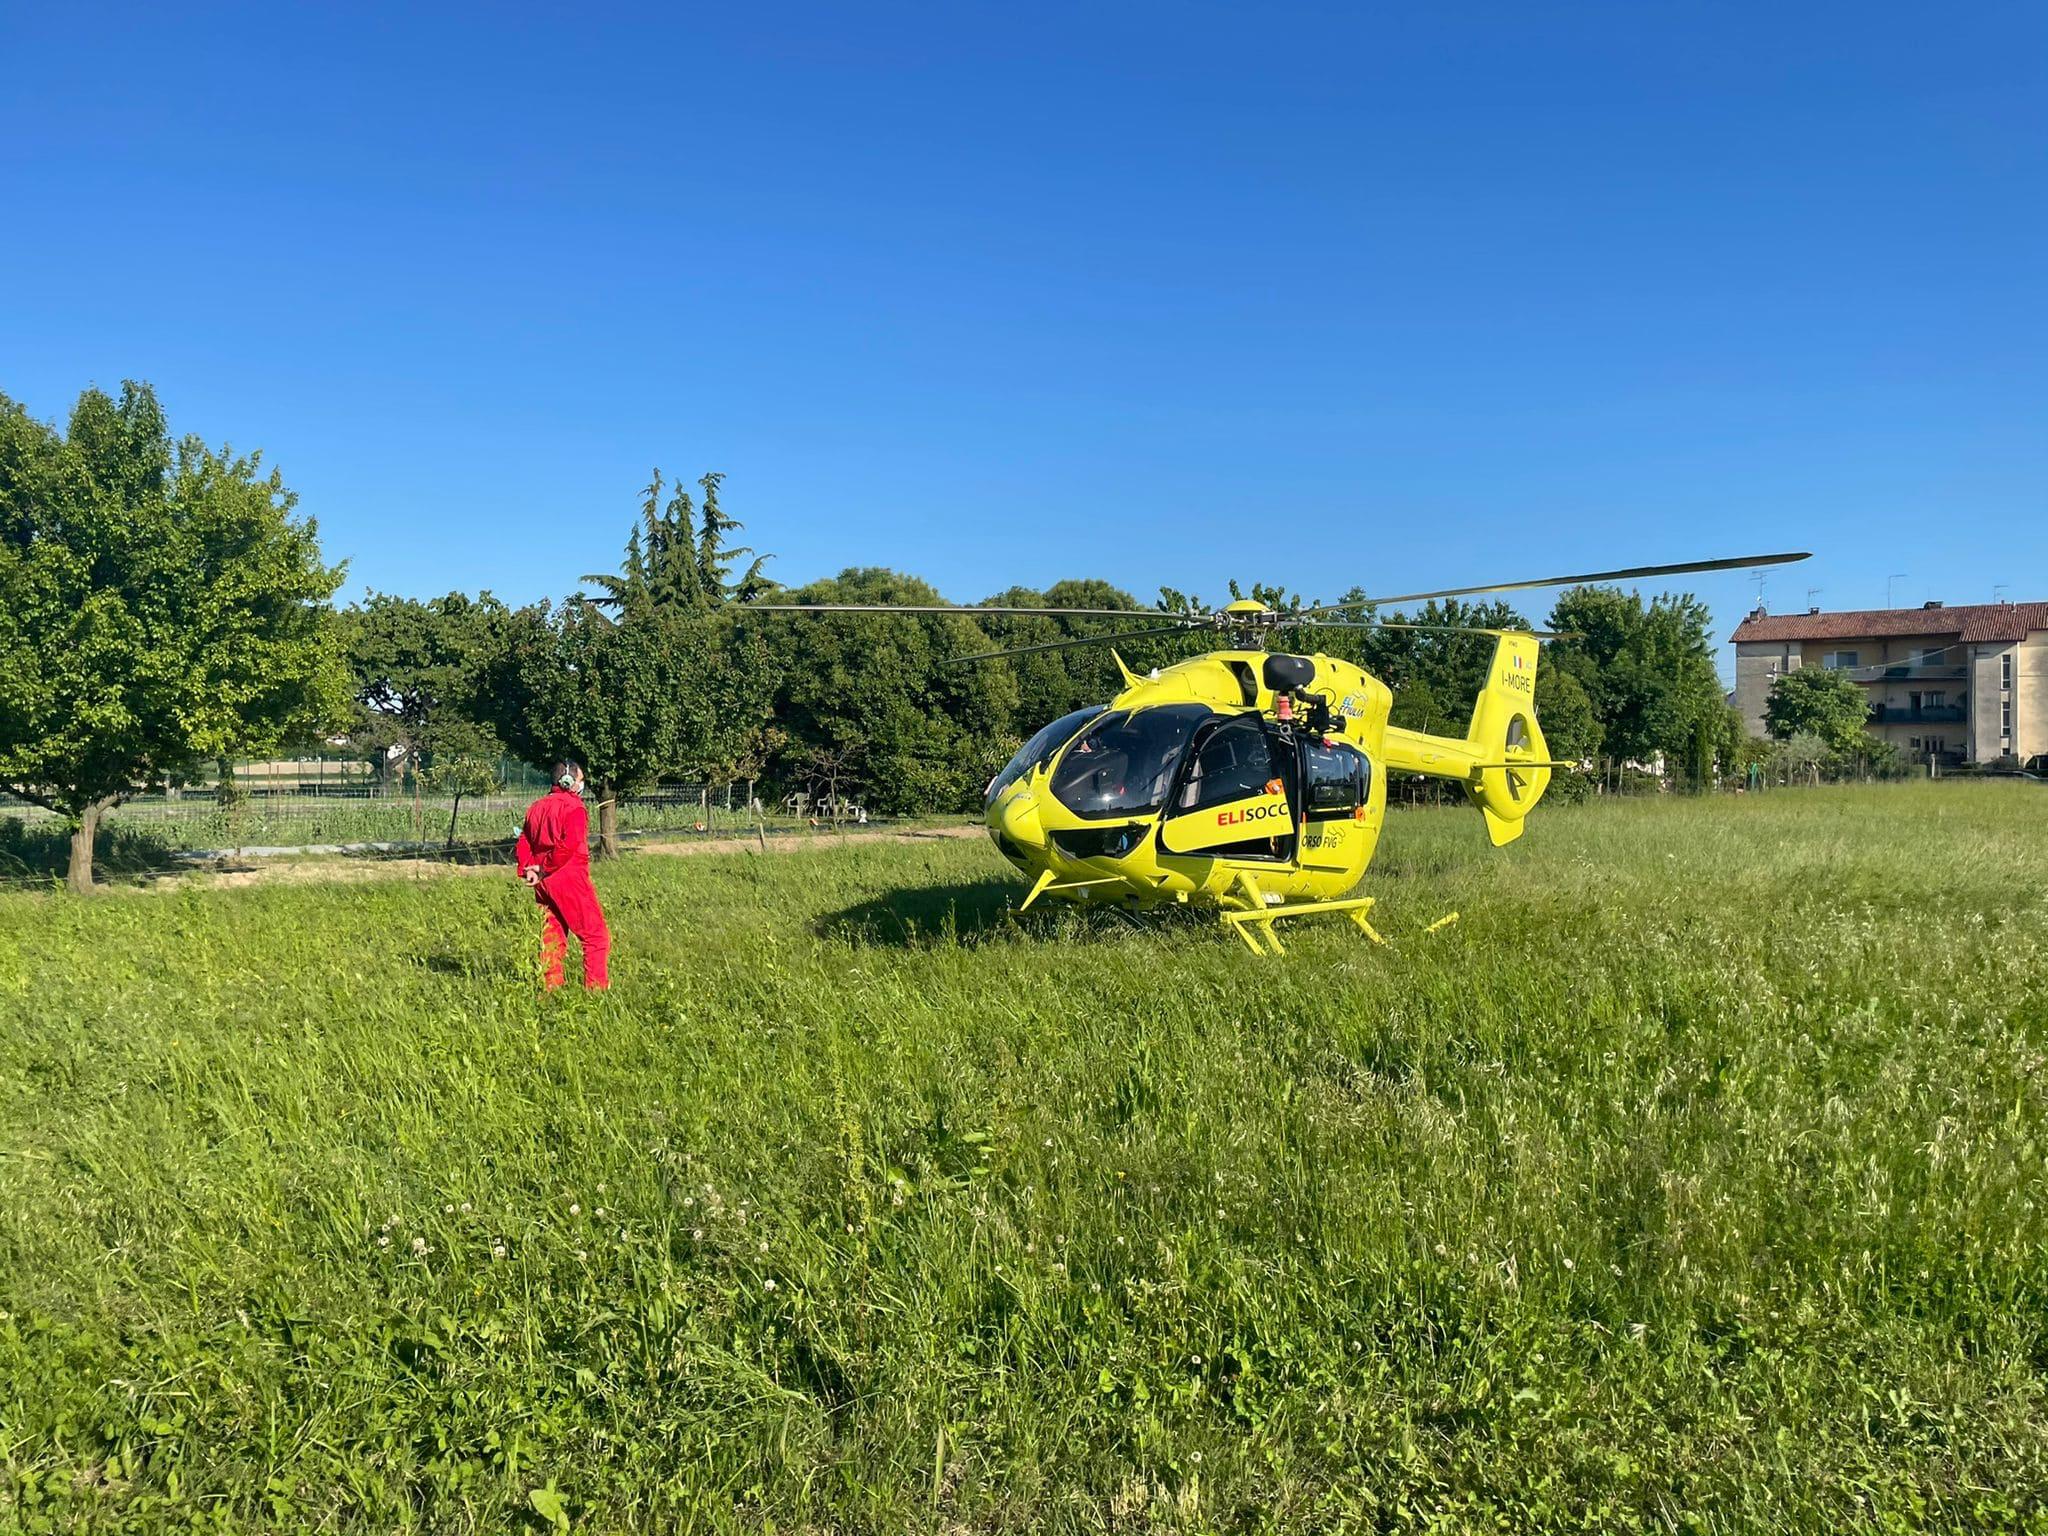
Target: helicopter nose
point(1020, 824)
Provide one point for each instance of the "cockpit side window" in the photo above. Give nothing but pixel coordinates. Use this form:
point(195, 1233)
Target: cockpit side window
point(1339, 780)
point(1234, 759)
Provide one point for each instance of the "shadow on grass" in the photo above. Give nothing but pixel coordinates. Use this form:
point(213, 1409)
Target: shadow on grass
point(34, 854)
point(920, 917)
point(977, 912)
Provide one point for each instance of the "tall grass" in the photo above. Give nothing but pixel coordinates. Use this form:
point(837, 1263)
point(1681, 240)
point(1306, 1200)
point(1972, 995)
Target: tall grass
point(1693, 1180)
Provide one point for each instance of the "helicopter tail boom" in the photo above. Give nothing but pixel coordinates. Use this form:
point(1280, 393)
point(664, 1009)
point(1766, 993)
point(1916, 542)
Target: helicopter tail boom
point(1502, 760)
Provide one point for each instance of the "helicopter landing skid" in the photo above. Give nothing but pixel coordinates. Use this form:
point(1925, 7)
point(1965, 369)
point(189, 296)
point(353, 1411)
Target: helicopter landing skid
point(1254, 922)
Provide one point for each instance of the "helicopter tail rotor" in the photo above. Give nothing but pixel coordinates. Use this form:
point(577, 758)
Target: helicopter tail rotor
point(1507, 744)
point(1501, 760)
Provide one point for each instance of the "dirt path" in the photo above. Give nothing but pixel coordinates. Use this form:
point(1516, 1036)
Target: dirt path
point(352, 871)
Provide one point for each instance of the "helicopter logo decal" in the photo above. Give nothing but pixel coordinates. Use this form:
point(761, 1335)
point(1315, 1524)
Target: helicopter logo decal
point(1243, 814)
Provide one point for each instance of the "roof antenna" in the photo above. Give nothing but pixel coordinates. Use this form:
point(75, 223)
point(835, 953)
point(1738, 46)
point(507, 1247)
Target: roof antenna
point(1811, 594)
point(1895, 576)
point(1758, 578)
point(1996, 588)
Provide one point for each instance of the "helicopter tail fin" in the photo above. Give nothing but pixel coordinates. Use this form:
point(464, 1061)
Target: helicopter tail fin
point(1510, 761)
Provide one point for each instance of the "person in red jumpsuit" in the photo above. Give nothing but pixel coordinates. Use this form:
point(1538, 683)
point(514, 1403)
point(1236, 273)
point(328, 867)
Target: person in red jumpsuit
point(554, 859)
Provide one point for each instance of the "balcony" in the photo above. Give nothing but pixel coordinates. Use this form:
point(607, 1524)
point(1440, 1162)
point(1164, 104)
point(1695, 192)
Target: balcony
point(1924, 714)
point(1914, 672)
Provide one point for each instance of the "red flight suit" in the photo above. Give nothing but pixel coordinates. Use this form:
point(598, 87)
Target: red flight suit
point(556, 841)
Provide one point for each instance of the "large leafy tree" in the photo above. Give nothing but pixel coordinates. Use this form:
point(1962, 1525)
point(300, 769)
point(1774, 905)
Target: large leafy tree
point(1648, 669)
point(574, 682)
point(1818, 701)
point(160, 604)
point(418, 670)
point(1050, 683)
point(871, 702)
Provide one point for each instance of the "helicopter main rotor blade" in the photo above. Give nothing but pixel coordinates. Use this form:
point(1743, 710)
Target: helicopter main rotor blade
point(1057, 645)
point(1681, 568)
point(1434, 629)
point(944, 608)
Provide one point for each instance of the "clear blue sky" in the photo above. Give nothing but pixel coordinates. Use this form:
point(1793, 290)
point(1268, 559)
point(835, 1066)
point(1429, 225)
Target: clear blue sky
point(1395, 294)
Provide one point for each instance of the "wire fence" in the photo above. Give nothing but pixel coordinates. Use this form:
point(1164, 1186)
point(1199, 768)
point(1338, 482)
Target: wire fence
point(192, 826)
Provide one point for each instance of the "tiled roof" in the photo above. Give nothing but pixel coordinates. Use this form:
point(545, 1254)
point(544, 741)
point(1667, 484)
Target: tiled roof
point(1977, 623)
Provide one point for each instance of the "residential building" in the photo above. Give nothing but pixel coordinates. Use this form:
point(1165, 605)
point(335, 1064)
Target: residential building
point(1951, 685)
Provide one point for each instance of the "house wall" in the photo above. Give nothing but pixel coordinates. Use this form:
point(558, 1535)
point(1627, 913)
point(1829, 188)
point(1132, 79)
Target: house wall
point(2030, 695)
point(1757, 662)
point(1977, 695)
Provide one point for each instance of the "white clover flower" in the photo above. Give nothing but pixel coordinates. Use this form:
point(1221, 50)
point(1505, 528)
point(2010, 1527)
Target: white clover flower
point(575, 1209)
point(383, 1242)
point(581, 1254)
point(767, 1285)
point(1195, 1457)
point(419, 1247)
point(697, 1233)
point(1568, 1264)
point(448, 1210)
point(467, 1207)
point(497, 1250)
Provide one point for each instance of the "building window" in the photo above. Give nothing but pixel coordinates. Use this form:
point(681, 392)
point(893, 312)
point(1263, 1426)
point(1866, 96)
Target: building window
point(1935, 698)
point(1914, 742)
point(1840, 659)
point(2005, 721)
point(1931, 656)
point(2005, 671)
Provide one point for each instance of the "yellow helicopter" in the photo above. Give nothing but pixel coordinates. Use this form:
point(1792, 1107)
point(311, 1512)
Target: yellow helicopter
point(1253, 781)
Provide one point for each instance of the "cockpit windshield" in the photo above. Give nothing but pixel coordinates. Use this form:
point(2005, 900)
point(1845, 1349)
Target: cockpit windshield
point(1123, 763)
point(1040, 747)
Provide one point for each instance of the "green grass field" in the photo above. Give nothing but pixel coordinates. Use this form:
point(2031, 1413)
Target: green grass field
point(1695, 1180)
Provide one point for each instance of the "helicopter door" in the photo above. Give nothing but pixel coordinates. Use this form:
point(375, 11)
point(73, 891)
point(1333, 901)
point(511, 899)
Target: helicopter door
point(1232, 800)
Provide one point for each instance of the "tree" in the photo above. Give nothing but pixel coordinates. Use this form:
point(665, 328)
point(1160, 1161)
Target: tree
point(1648, 670)
point(418, 671)
point(1821, 702)
point(655, 676)
point(908, 729)
point(574, 683)
point(160, 604)
point(675, 562)
point(1570, 728)
point(1051, 683)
